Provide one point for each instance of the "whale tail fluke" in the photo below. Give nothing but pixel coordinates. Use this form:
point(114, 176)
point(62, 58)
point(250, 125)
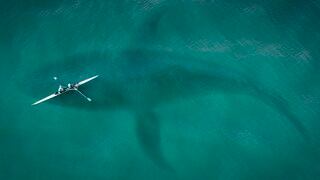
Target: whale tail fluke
point(148, 134)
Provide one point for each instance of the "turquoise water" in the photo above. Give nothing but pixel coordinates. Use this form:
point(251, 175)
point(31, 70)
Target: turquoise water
point(187, 89)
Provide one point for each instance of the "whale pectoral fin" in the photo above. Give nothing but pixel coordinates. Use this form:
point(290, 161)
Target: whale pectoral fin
point(148, 134)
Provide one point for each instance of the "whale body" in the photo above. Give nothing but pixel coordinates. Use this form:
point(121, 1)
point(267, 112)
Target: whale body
point(140, 80)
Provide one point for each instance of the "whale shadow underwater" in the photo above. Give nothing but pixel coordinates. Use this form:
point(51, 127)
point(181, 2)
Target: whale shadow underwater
point(139, 80)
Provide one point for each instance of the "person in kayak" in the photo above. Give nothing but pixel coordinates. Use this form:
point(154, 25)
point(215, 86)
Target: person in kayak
point(61, 89)
point(72, 86)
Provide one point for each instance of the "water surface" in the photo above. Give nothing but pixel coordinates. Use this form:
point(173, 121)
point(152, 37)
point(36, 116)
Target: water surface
point(187, 89)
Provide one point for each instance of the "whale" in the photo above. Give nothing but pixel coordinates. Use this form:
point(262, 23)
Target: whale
point(140, 80)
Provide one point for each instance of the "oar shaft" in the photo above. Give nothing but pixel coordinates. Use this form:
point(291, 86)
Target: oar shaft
point(83, 95)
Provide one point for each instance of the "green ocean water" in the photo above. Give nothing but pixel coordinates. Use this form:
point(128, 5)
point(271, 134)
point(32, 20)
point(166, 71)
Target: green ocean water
point(198, 89)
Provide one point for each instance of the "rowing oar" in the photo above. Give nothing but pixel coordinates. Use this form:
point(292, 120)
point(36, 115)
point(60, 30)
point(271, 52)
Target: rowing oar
point(82, 94)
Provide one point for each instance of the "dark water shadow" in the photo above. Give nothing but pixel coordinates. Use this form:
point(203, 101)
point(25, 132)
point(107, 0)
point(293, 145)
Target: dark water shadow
point(281, 105)
point(148, 128)
point(175, 81)
point(160, 78)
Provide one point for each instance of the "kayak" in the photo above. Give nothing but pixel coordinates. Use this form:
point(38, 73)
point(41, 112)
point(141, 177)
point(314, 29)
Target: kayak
point(58, 93)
